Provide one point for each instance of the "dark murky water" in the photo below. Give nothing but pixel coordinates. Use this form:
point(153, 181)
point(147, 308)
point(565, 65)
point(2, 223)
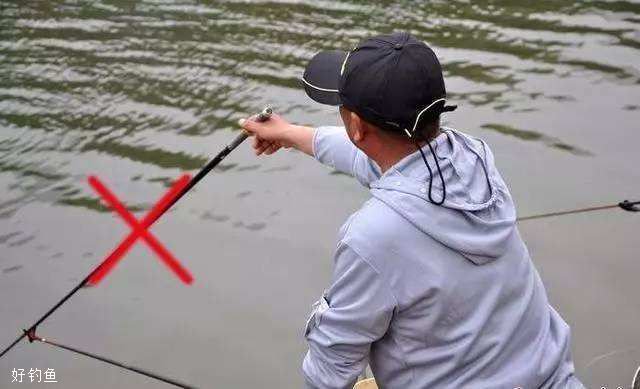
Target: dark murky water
point(138, 93)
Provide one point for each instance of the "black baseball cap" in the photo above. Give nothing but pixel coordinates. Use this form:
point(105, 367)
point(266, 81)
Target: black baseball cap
point(392, 81)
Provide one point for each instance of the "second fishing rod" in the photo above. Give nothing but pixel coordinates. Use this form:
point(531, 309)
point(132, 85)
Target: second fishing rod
point(261, 117)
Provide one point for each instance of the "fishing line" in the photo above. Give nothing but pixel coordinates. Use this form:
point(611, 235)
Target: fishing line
point(31, 332)
point(631, 206)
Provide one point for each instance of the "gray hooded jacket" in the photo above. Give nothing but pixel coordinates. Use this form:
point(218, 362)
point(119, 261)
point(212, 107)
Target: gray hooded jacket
point(433, 296)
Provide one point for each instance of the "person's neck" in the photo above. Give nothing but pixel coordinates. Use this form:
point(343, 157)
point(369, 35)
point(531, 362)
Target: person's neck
point(396, 150)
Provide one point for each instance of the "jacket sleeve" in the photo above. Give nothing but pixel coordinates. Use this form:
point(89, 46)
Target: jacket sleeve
point(332, 147)
point(350, 316)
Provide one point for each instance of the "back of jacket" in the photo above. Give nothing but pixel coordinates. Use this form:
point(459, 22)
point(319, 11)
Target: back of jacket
point(433, 296)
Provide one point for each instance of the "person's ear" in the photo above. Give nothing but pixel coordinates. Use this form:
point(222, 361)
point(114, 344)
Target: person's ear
point(357, 127)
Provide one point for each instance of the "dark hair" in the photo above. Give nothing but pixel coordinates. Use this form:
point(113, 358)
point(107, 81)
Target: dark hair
point(428, 127)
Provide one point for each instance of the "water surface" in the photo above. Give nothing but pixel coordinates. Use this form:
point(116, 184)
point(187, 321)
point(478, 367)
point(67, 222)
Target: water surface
point(140, 92)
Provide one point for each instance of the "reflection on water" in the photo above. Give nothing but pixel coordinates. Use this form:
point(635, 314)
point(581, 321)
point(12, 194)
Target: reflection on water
point(142, 87)
point(529, 135)
point(12, 268)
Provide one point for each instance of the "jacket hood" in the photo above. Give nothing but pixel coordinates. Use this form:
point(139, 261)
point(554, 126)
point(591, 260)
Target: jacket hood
point(478, 215)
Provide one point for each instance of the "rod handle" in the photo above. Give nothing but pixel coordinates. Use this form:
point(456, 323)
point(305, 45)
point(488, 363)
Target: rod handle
point(261, 117)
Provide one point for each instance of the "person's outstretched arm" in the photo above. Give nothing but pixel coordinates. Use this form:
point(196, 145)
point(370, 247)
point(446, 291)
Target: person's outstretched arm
point(329, 145)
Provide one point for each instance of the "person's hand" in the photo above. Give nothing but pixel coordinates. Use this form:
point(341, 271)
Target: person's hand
point(268, 136)
point(261, 146)
point(276, 133)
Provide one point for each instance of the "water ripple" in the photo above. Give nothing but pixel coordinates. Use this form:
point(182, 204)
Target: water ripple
point(107, 78)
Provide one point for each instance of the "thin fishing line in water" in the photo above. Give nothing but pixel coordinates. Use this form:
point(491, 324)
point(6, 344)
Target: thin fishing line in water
point(635, 380)
point(630, 206)
point(609, 355)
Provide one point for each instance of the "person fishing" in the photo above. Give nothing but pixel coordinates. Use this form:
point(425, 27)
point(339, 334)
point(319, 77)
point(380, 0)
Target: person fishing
point(432, 285)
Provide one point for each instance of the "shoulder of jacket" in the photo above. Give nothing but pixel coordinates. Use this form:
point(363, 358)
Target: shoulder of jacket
point(373, 228)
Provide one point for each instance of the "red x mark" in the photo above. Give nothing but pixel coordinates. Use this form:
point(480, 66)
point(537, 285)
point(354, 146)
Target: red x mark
point(140, 229)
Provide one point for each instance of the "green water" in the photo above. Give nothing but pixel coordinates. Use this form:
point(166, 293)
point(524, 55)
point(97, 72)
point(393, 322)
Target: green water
point(139, 92)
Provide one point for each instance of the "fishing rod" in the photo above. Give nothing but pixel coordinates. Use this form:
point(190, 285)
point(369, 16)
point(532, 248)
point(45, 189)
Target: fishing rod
point(35, 338)
point(31, 332)
point(630, 206)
